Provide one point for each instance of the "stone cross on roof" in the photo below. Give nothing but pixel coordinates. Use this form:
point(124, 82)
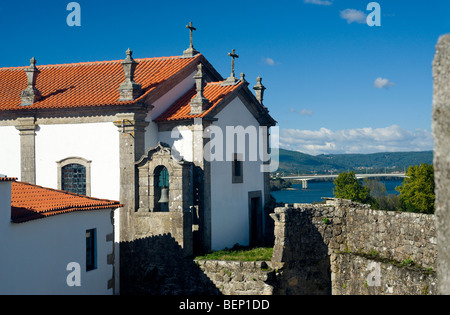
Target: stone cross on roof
point(233, 56)
point(232, 79)
point(191, 51)
point(191, 31)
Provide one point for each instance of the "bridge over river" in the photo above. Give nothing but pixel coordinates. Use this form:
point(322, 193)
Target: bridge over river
point(305, 178)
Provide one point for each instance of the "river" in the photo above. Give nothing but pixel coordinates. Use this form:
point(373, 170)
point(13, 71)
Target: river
point(317, 190)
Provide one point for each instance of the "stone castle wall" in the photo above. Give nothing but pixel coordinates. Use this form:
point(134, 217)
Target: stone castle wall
point(347, 248)
point(240, 277)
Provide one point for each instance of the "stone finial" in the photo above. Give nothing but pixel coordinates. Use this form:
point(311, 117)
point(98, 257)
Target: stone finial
point(191, 51)
point(259, 90)
point(31, 94)
point(243, 78)
point(200, 102)
point(129, 90)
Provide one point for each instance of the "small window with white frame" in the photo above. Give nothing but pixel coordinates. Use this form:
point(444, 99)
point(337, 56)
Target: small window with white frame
point(74, 175)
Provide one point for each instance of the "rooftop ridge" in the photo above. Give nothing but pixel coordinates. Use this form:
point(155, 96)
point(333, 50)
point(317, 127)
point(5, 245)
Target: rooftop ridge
point(86, 63)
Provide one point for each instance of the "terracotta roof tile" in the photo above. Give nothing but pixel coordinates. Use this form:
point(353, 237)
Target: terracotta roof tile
point(86, 84)
point(31, 202)
point(213, 91)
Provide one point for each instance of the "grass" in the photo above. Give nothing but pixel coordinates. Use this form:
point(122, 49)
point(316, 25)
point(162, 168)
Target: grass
point(373, 254)
point(239, 253)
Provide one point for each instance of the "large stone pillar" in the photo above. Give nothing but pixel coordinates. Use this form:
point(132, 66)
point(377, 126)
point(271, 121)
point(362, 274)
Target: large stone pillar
point(131, 127)
point(441, 132)
point(202, 159)
point(27, 128)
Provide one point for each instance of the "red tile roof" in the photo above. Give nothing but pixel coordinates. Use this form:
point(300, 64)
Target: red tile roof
point(86, 84)
point(31, 202)
point(213, 91)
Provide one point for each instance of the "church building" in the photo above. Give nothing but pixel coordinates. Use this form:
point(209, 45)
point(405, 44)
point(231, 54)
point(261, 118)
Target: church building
point(181, 147)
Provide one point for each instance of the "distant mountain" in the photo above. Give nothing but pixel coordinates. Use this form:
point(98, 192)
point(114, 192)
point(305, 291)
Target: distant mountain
point(292, 162)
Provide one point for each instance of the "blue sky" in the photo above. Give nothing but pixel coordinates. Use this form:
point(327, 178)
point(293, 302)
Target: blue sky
point(334, 84)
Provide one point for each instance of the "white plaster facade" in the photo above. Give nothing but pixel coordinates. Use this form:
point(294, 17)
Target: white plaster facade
point(10, 151)
point(96, 142)
point(230, 201)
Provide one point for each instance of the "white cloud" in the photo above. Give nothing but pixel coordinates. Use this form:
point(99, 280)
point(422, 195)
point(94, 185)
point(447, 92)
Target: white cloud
point(303, 112)
point(362, 140)
point(352, 15)
point(381, 83)
point(269, 61)
point(319, 2)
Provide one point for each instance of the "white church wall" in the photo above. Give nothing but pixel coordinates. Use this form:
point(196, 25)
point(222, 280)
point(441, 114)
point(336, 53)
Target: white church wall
point(10, 151)
point(230, 202)
point(171, 96)
point(161, 105)
point(180, 140)
point(35, 255)
point(97, 142)
point(151, 135)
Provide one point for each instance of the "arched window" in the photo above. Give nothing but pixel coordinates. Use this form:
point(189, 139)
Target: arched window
point(161, 176)
point(74, 175)
point(73, 179)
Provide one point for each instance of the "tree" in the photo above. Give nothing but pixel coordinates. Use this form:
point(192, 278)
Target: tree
point(417, 189)
point(347, 186)
point(382, 200)
point(279, 184)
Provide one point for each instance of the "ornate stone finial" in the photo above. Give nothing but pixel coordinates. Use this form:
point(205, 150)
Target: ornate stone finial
point(200, 102)
point(129, 90)
point(191, 51)
point(129, 53)
point(31, 94)
point(243, 78)
point(33, 62)
point(259, 90)
point(232, 79)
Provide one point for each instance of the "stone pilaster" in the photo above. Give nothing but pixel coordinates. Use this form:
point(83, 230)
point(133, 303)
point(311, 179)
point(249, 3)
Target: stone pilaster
point(205, 205)
point(131, 127)
point(27, 128)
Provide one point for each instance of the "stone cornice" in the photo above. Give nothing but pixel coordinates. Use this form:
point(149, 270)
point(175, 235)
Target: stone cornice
point(70, 115)
point(26, 125)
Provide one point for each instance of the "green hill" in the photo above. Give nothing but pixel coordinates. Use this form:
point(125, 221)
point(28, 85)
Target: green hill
point(292, 162)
